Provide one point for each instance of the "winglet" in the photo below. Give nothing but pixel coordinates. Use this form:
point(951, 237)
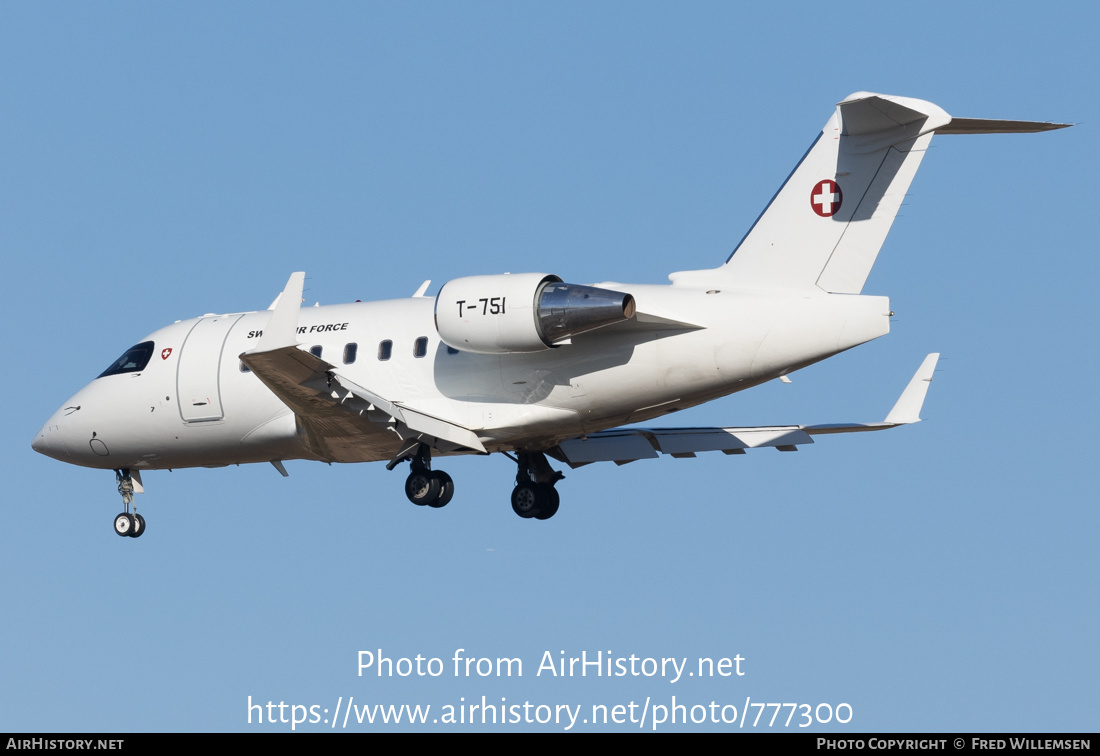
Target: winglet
point(907, 409)
point(282, 327)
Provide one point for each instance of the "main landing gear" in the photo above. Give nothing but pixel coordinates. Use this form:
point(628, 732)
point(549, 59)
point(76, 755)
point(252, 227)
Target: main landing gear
point(427, 487)
point(534, 494)
point(126, 524)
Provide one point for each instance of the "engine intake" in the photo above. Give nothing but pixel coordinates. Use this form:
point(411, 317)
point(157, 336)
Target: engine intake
point(526, 312)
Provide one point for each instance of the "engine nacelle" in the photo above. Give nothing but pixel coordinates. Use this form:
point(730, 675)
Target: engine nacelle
point(525, 312)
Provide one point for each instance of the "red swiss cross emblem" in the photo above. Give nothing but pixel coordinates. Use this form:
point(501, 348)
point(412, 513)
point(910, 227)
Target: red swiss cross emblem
point(825, 198)
point(165, 352)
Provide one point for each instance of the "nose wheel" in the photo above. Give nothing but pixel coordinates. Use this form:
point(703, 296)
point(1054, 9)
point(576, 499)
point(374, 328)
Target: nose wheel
point(128, 525)
point(124, 524)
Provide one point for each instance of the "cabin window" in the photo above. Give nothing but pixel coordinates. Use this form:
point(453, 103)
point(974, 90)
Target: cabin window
point(315, 351)
point(133, 360)
point(245, 368)
point(421, 347)
point(350, 351)
point(451, 350)
point(385, 349)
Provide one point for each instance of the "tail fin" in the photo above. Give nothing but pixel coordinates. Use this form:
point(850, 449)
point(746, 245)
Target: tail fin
point(826, 224)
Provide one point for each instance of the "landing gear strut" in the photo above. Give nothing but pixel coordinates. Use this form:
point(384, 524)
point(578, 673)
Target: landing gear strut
point(426, 487)
point(534, 494)
point(126, 524)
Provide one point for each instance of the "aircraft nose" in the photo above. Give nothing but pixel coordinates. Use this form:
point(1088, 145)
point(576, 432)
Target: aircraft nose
point(40, 443)
point(50, 442)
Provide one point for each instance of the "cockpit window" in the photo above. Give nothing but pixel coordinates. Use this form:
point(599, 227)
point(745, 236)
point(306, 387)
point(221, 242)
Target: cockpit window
point(133, 361)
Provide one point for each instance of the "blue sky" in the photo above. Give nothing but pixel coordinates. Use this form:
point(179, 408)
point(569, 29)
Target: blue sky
point(160, 161)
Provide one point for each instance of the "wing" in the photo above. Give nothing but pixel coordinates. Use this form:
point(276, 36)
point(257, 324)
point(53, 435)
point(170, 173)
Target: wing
point(628, 444)
point(340, 420)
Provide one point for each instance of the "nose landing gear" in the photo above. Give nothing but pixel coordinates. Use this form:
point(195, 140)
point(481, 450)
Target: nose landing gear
point(126, 524)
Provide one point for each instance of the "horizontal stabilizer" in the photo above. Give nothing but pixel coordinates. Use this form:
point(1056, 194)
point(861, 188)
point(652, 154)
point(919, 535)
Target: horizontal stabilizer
point(992, 126)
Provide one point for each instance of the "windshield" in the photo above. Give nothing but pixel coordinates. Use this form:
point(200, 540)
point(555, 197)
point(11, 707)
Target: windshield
point(133, 361)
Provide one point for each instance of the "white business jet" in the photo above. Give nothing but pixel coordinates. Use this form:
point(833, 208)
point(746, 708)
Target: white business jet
point(525, 364)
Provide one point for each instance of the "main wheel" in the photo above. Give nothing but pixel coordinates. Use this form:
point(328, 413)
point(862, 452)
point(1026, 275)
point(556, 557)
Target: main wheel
point(552, 501)
point(446, 489)
point(139, 526)
point(423, 487)
point(528, 499)
point(124, 524)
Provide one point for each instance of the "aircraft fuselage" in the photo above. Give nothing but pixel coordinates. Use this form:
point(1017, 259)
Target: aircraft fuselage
point(195, 405)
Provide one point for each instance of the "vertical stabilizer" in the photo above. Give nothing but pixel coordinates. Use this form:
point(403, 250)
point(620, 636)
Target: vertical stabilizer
point(826, 225)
